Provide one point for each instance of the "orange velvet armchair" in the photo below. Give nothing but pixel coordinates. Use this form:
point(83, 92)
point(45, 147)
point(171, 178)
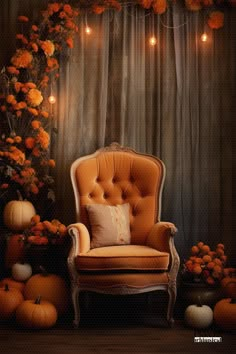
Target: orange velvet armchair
point(117, 175)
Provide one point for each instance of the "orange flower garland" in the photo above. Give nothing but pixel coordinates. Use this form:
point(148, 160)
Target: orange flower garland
point(22, 100)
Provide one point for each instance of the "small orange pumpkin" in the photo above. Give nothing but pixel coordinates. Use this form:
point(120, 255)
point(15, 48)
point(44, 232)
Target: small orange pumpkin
point(225, 314)
point(15, 251)
point(10, 299)
point(36, 314)
point(12, 284)
point(52, 288)
point(228, 283)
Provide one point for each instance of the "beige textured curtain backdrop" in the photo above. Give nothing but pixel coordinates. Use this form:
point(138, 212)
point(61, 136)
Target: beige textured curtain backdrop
point(176, 101)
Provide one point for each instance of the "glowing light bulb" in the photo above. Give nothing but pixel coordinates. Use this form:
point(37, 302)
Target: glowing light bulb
point(204, 37)
point(52, 99)
point(88, 30)
point(152, 41)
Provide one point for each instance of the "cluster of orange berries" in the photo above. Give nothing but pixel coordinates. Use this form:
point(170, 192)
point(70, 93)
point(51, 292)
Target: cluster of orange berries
point(205, 264)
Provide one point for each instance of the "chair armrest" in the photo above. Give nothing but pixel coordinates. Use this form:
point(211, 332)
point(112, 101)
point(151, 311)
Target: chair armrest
point(160, 235)
point(80, 244)
point(80, 238)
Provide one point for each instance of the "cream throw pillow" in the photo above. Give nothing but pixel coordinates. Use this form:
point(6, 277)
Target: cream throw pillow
point(109, 224)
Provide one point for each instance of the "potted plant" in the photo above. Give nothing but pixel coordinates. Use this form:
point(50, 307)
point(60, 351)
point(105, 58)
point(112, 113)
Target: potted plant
point(202, 273)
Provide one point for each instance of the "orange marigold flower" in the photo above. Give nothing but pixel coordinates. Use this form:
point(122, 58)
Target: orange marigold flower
point(34, 97)
point(30, 85)
point(17, 86)
point(22, 18)
point(70, 42)
point(22, 104)
point(57, 28)
point(27, 172)
point(34, 189)
point(35, 219)
point(36, 152)
point(35, 124)
point(18, 139)
point(22, 58)
point(10, 98)
point(24, 89)
point(43, 138)
point(193, 5)
point(9, 140)
point(97, 9)
point(159, 6)
point(35, 47)
point(29, 142)
point(44, 114)
point(33, 111)
point(62, 14)
point(48, 47)
point(17, 155)
point(35, 28)
point(12, 70)
point(55, 7)
point(69, 24)
point(67, 8)
point(18, 114)
point(27, 163)
point(51, 163)
point(216, 19)
point(52, 63)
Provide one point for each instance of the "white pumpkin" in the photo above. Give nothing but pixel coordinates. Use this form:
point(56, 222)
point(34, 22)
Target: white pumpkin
point(17, 214)
point(21, 271)
point(198, 316)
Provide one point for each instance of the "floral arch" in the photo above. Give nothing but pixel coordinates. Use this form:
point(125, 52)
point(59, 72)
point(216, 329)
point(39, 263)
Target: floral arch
point(25, 163)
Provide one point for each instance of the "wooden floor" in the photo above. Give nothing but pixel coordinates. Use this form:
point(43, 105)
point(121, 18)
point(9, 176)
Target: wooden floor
point(122, 328)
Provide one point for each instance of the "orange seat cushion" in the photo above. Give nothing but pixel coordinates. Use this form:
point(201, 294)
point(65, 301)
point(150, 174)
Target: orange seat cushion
point(125, 257)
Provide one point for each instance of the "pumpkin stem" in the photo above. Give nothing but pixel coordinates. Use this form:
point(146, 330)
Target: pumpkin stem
point(43, 271)
point(6, 287)
point(199, 304)
point(19, 195)
point(38, 300)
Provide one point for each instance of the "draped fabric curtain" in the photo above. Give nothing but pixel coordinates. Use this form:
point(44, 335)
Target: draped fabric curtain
point(174, 100)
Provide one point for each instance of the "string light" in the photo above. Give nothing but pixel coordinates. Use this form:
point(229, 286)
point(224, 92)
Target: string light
point(204, 37)
point(52, 99)
point(88, 29)
point(152, 41)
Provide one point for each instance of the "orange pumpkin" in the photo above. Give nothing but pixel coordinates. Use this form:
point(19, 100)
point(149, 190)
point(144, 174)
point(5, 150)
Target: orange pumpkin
point(225, 314)
point(52, 288)
point(13, 284)
point(229, 286)
point(15, 251)
point(17, 214)
point(36, 314)
point(10, 299)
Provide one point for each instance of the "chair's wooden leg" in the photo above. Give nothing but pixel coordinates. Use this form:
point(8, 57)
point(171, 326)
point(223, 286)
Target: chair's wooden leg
point(171, 304)
point(75, 302)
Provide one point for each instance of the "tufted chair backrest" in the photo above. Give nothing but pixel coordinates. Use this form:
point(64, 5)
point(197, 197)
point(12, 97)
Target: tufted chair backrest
point(117, 175)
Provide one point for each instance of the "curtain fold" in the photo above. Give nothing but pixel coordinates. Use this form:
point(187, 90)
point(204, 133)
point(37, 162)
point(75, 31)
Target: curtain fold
point(174, 100)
